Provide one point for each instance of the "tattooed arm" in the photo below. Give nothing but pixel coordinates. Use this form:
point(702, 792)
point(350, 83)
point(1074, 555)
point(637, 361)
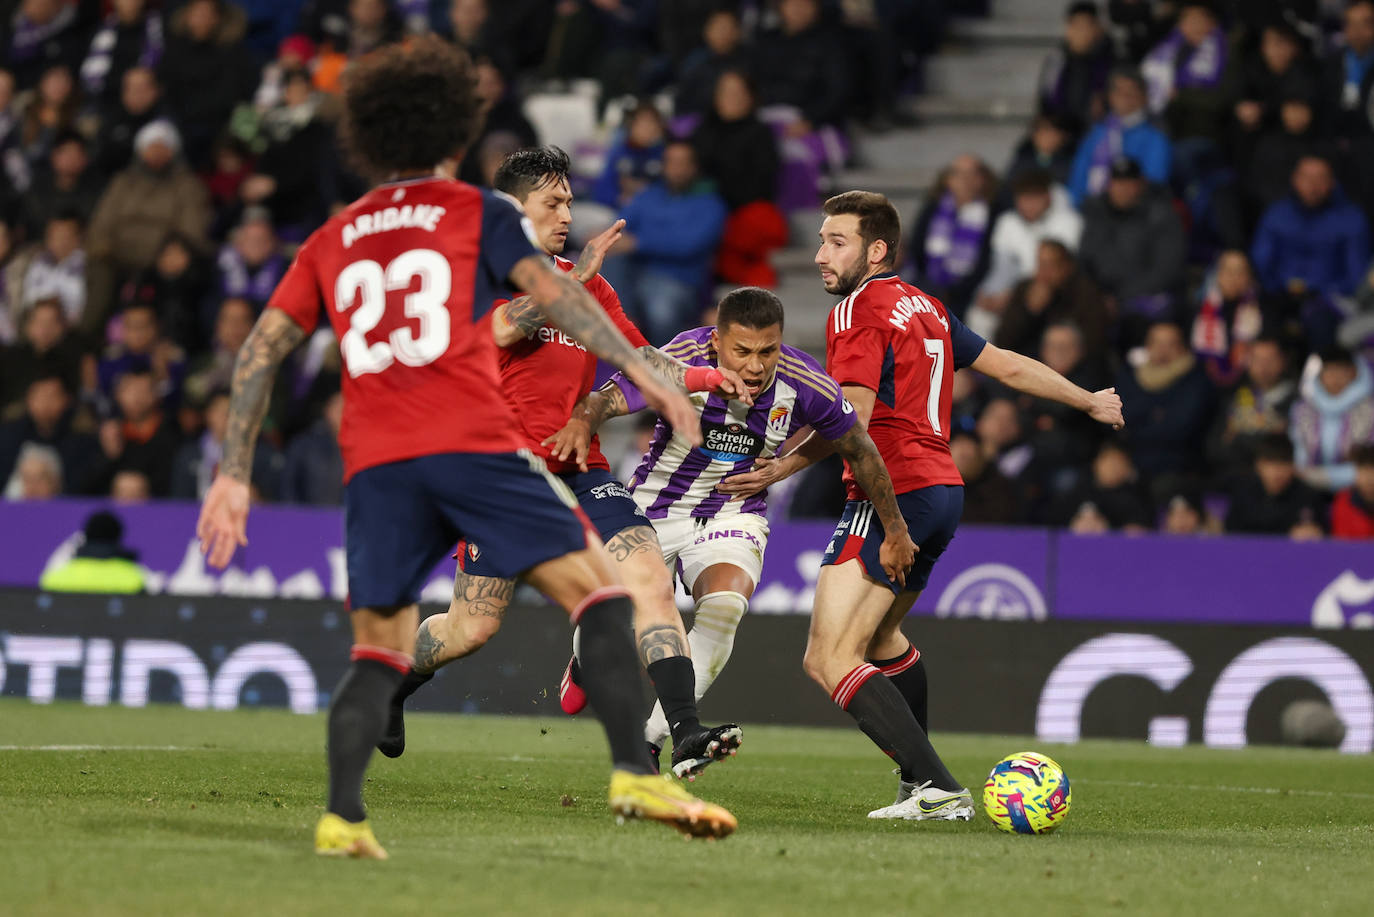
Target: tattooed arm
point(573, 442)
point(573, 310)
point(223, 522)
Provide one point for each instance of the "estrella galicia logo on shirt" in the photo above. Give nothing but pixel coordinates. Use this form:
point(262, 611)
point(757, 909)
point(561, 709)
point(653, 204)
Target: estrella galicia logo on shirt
point(730, 442)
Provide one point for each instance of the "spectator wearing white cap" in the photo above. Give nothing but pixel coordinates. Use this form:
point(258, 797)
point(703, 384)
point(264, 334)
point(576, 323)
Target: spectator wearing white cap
point(155, 197)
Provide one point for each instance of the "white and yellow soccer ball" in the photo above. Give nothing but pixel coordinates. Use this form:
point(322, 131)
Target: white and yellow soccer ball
point(1027, 793)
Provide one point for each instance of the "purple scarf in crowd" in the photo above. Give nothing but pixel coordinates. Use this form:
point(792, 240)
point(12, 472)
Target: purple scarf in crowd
point(28, 36)
point(1174, 64)
point(954, 240)
point(1110, 145)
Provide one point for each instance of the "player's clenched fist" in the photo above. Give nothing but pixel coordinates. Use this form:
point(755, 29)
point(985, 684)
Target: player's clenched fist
point(223, 523)
point(1106, 408)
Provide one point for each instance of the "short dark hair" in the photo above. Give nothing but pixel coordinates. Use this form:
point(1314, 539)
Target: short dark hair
point(877, 219)
point(750, 307)
point(1362, 455)
point(1060, 249)
point(1274, 447)
point(408, 108)
point(1128, 72)
point(50, 375)
point(1081, 8)
point(1032, 181)
point(526, 171)
point(66, 136)
point(1337, 356)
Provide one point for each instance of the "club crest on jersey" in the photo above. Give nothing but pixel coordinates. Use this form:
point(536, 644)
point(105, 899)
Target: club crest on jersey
point(474, 552)
point(778, 418)
point(907, 306)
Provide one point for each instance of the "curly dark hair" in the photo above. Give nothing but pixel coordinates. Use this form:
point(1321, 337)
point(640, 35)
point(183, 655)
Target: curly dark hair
point(409, 107)
point(529, 170)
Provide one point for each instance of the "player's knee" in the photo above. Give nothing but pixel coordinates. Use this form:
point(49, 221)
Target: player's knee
point(815, 664)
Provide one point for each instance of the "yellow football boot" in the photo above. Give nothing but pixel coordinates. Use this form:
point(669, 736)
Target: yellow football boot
point(335, 837)
point(662, 799)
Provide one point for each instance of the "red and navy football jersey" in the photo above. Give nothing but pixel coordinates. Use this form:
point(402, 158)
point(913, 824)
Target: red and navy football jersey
point(545, 376)
point(903, 344)
point(403, 275)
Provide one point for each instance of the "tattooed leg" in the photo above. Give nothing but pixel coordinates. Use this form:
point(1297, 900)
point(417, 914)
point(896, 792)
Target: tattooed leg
point(658, 625)
point(473, 617)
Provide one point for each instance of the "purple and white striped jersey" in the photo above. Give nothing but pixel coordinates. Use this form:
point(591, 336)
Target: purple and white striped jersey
point(676, 480)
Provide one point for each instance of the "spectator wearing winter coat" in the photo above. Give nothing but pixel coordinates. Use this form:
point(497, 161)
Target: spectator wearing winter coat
point(1231, 314)
point(951, 240)
point(139, 104)
point(635, 159)
point(205, 72)
point(1348, 77)
point(739, 153)
point(40, 34)
point(66, 185)
point(45, 348)
point(175, 284)
point(1073, 77)
point(989, 497)
point(1261, 80)
point(141, 347)
point(1134, 247)
point(1125, 131)
point(1313, 241)
point(49, 420)
point(196, 461)
point(504, 125)
point(154, 198)
point(1352, 512)
point(1040, 210)
point(1048, 146)
point(251, 265)
point(1111, 500)
point(720, 51)
point(1184, 74)
point(1335, 414)
point(131, 36)
point(802, 65)
point(1278, 150)
point(58, 271)
point(672, 229)
point(287, 175)
point(314, 465)
point(1058, 291)
point(1272, 499)
point(214, 369)
point(1169, 402)
point(1260, 405)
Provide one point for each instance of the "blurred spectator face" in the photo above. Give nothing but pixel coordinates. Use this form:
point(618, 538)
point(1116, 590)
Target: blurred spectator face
point(69, 159)
point(467, 18)
point(202, 19)
point(128, 11)
point(296, 89)
point(1047, 138)
point(1313, 182)
point(1125, 97)
point(965, 179)
point(1359, 28)
point(968, 458)
point(1112, 469)
point(549, 209)
point(130, 486)
point(998, 425)
point(1032, 205)
point(41, 12)
point(367, 14)
point(1275, 475)
point(1234, 279)
point(217, 416)
point(139, 326)
point(174, 259)
point(1266, 364)
point(722, 33)
point(157, 156)
point(255, 241)
point(55, 86)
point(5, 244)
point(138, 91)
point(45, 325)
point(1181, 518)
point(679, 166)
point(233, 324)
point(1296, 116)
point(1061, 349)
point(1336, 377)
point(1164, 344)
point(734, 101)
point(45, 402)
point(61, 238)
point(1278, 50)
point(136, 397)
point(1364, 482)
point(798, 15)
point(1196, 23)
point(1052, 266)
point(6, 89)
point(39, 479)
point(333, 413)
point(491, 85)
point(1082, 32)
point(645, 128)
point(1125, 193)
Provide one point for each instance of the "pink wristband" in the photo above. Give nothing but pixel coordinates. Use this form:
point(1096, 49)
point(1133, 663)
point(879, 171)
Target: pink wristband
point(703, 379)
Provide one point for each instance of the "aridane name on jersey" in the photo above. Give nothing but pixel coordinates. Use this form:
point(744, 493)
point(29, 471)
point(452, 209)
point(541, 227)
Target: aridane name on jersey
point(677, 480)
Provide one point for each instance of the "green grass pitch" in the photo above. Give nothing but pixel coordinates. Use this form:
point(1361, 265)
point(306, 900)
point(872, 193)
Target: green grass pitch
point(169, 811)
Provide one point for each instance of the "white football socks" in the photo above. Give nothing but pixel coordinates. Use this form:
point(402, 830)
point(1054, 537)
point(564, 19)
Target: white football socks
point(711, 640)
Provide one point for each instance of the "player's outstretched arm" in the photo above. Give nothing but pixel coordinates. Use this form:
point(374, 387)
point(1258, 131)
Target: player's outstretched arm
point(223, 522)
point(573, 310)
point(1035, 378)
point(573, 442)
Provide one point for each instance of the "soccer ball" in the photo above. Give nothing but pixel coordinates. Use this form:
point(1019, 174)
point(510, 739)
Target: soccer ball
point(1027, 793)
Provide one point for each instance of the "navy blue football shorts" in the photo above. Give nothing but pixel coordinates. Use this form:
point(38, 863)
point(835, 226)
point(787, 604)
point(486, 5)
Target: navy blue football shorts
point(931, 513)
point(401, 518)
point(608, 504)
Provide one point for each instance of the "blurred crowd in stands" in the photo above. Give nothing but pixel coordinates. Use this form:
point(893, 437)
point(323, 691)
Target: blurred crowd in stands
point(1186, 218)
